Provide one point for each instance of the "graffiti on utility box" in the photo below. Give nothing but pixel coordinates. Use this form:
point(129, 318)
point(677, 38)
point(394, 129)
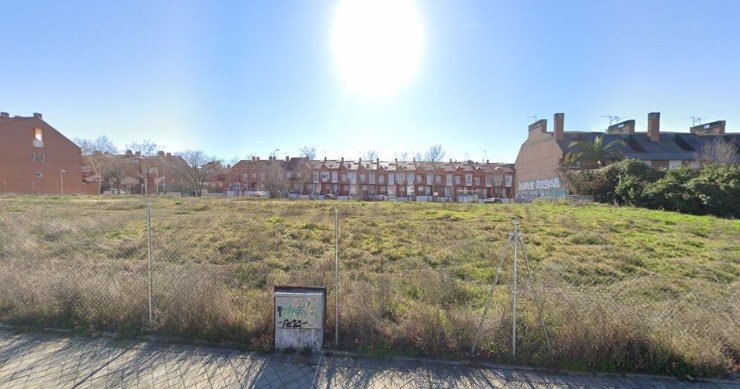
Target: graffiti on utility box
point(298, 312)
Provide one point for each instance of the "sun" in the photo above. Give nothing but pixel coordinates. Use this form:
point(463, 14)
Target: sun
point(377, 44)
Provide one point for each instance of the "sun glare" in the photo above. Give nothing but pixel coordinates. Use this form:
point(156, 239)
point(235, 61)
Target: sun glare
point(376, 44)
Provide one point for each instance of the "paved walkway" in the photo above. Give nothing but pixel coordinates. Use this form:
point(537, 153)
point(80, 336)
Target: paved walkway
point(43, 360)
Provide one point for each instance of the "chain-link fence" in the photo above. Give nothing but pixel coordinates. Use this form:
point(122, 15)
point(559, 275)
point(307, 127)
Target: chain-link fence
point(412, 277)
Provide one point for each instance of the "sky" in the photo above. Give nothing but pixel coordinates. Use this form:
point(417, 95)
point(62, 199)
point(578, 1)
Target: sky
point(241, 78)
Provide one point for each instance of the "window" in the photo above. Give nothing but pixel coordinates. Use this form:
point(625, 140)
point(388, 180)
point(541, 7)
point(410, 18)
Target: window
point(457, 180)
point(39, 174)
point(33, 156)
point(42, 157)
point(38, 137)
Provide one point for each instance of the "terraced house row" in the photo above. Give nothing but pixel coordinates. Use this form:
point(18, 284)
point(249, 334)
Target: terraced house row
point(412, 180)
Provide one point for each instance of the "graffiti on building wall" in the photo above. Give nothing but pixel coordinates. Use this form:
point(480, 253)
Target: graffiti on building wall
point(298, 312)
point(549, 188)
point(548, 183)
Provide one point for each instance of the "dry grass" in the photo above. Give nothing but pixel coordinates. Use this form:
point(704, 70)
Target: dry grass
point(622, 289)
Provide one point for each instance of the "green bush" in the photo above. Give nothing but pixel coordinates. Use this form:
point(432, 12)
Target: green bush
point(714, 190)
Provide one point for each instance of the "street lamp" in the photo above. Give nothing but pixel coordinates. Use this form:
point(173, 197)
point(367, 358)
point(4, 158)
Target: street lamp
point(274, 153)
point(61, 180)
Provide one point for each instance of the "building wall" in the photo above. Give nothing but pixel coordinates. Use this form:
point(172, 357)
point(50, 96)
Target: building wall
point(49, 166)
point(537, 168)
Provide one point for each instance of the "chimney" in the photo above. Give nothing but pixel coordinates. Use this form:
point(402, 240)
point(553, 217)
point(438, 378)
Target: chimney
point(342, 161)
point(625, 127)
point(138, 153)
point(654, 126)
point(4, 115)
point(324, 159)
point(258, 158)
point(169, 154)
point(287, 158)
point(161, 153)
point(713, 128)
point(37, 115)
point(559, 120)
point(538, 127)
point(129, 153)
point(450, 160)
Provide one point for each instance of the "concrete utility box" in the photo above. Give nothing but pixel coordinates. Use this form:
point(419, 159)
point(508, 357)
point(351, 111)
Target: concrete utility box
point(300, 317)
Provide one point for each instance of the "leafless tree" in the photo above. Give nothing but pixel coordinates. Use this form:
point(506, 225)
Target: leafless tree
point(719, 151)
point(308, 152)
point(434, 155)
point(198, 168)
point(371, 155)
point(100, 156)
point(275, 179)
point(146, 164)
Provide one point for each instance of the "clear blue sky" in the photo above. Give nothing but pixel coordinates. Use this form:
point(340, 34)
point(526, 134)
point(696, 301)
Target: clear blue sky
point(234, 78)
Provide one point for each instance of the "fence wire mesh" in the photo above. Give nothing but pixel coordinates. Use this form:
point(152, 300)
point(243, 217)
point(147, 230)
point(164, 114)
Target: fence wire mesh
point(411, 277)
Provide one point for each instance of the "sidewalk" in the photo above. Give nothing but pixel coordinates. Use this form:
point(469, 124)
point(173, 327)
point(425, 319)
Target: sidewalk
point(44, 360)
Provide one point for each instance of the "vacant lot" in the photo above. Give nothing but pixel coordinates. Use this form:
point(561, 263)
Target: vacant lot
point(622, 289)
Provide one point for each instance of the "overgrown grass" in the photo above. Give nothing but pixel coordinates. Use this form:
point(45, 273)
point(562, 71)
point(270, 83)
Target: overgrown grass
point(623, 289)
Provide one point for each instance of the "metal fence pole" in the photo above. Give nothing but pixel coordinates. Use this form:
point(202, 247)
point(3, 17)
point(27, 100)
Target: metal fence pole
point(336, 286)
point(514, 292)
point(149, 259)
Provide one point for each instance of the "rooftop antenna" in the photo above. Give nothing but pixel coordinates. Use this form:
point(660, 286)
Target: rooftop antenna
point(695, 120)
point(613, 118)
point(533, 117)
point(485, 155)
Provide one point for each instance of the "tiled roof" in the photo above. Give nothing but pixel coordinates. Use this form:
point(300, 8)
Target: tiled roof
point(671, 146)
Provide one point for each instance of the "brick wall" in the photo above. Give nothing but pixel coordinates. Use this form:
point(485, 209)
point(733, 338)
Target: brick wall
point(31, 166)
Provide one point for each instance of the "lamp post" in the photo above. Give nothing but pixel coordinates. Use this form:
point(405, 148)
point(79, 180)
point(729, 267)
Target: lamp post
point(61, 180)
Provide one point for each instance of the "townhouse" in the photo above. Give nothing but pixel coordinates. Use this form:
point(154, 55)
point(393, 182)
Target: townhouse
point(362, 179)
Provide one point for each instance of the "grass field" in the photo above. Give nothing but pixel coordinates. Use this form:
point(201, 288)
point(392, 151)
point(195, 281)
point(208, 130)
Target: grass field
point(622, 289)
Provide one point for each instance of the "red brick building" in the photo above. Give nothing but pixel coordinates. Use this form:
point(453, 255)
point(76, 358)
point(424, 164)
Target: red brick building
point(412, 180)
point(36, 158)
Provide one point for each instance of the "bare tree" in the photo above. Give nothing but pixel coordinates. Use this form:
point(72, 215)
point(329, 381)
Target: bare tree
point(308, 152)
point(719, 151)
point(144, 150)
point(275, 179)
point(434, 155)
point(198, 168)
point(99, 155)
point(371, 155)
point(404, 156)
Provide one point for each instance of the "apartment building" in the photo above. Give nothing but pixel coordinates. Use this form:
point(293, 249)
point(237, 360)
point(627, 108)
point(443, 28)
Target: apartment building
point(36, 158)
point(412, 180)
point(540, 162)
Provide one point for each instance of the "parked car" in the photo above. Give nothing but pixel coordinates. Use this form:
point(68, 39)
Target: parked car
point(114, 191)
point(330, 196)
point(492, 200)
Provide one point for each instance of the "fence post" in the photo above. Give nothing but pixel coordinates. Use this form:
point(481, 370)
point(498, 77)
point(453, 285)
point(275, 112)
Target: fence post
point(336, 278)
point(149, 259)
